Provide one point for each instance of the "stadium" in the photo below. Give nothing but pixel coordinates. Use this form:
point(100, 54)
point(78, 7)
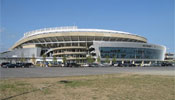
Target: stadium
point(77, 44)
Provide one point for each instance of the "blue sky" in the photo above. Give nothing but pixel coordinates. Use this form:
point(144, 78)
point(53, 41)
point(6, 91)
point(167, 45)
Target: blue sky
point(153, 19)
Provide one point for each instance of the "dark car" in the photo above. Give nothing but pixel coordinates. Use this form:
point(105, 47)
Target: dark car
point(56, 65)
point(73, 65)
point(120, 65)
point(166, 64)
point(132, 65)
point(28, 65)
point(23, 65)
point(20, 64)
point(128, 64)
point(4, 64)
point(10, 66)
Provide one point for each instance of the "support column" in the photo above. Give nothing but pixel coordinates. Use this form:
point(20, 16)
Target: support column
point(122, 62)
point(142, 64)
point(150, 62)
point(133, 62)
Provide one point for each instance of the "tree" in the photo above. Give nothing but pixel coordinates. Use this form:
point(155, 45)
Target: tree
point(90, 59)
point(98, 59)
point(114, 59)
point(33, 59)
point(107, 59)
point(44, 58)
point(54, 59)
point(64, 59)
point(22, 57)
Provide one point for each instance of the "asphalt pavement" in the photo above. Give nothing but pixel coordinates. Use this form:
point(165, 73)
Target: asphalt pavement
point(65, 71)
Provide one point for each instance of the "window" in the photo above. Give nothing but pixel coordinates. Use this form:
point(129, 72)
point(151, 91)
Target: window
point(134, 53)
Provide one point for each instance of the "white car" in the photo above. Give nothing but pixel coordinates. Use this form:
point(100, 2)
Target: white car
point(115, 65)
point(85, 65)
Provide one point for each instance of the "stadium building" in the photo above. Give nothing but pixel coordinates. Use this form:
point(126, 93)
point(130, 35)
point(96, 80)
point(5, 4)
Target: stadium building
point(76, 44)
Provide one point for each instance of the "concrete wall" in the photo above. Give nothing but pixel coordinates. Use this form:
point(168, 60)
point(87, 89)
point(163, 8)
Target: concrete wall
point(25, 52)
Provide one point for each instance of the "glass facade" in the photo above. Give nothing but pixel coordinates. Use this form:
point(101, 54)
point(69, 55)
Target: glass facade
point(130, 53)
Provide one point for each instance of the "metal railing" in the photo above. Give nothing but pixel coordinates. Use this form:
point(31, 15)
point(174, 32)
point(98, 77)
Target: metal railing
point(48, 29)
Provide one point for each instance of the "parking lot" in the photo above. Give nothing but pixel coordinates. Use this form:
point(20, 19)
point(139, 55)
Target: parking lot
point(65, 71)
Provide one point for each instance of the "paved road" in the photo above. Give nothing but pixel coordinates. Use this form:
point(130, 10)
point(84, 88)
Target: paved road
point(55, 72)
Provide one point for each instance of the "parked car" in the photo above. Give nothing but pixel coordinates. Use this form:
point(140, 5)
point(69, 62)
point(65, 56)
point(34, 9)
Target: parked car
point(73, 65)
point(101, 65)
point(4, 64)
point(85, 65)
point(166, 64)
point(107, 64)
point(20, 65)
point(132, 65)
point(120, 65)
point(56, 65)
point(28, 65)
point(24, 65)
point(146, 65)
point(115, 65)
point(10, 66)
point(155, 64)
point(126, 64)
point(93, 65)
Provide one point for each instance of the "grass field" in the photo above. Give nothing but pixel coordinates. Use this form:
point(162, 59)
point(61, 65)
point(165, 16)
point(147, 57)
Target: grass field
point(97, 87)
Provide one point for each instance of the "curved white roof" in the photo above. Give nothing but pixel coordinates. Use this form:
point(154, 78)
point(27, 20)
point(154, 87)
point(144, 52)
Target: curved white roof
point(69, 29)
point(102, 32)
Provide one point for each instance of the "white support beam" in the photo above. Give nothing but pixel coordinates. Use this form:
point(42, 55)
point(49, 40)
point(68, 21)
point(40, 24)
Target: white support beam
point(63, 38)
point(50, 45)
point(79, 40)
point(70, 40)
point(44, 40)
point(86, 41)
point(31, 41)
point(49, 39)
point(56, 39)
point(38, 40)
point(57, 44)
